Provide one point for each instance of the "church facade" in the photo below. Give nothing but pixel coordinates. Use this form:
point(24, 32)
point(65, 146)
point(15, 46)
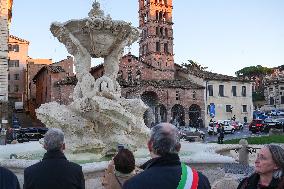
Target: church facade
point(153, 75)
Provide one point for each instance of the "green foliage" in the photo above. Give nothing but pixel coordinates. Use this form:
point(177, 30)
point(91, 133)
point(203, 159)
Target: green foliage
point(259, 140)
point(253, 71)
point(258, 96)
point(193, 65)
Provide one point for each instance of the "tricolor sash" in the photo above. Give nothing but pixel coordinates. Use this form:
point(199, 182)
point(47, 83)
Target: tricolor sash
point(189, 178)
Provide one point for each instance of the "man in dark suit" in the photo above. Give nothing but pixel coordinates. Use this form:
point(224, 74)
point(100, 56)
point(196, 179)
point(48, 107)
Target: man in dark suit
point(8, 180)
point(54, 171)
point(165, 170)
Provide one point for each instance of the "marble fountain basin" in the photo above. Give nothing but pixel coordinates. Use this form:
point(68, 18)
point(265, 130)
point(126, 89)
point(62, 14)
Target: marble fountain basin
point(199, 155)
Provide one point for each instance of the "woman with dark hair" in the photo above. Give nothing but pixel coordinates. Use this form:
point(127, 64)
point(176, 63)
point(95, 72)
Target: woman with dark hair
point(269, 167)
point(120, 169)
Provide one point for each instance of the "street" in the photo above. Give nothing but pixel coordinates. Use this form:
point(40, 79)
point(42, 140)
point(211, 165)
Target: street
point(238, 134)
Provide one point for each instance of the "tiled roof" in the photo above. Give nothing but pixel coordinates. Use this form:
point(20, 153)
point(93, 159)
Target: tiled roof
point(183, 84)
point(55, 69)
point(19, 39)
point(71, 80)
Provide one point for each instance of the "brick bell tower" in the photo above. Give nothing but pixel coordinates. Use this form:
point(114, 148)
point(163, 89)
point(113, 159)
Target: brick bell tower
point(156, 41)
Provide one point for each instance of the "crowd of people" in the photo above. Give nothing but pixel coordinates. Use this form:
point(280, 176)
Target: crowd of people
point(164, 170)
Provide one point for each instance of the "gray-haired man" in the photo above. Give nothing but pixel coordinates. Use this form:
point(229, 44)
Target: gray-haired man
point(164, 170)
point(54, 171)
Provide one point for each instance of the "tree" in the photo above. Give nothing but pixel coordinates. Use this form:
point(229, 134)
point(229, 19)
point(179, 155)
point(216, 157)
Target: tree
point(254, 71)
point(193, 66)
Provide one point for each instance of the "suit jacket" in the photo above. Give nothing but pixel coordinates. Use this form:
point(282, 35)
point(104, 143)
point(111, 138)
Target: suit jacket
point(8, 179)
point(54, 172)
point(162, 173)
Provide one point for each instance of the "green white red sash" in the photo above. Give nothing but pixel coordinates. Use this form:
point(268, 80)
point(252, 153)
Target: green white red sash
point(189, 178)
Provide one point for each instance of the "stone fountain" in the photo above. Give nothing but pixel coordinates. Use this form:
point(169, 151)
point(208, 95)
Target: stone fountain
point(98, 119)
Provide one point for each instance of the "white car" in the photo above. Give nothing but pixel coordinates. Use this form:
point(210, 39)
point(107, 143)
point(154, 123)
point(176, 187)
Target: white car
point(228, 128)
point(280, 113)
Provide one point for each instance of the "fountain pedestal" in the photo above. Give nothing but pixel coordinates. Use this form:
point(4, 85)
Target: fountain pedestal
point(98, 119)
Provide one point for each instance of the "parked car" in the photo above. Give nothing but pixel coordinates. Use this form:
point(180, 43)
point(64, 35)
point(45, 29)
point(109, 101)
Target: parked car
point(271, 123)
point(281, 123)
point(256, 125)
point(212, 128)
point(228, 128)
point(190, 133)
point(237, 125)
point(273, 112)
point(280, 113)
point(276, 113)
point(31, 134)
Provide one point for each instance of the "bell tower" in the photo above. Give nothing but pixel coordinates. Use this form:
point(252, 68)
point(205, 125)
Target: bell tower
point(156, 41)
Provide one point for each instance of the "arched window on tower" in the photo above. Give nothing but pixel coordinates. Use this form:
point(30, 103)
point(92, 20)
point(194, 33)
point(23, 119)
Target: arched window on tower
point(166, 32)
point(157, 31)
point(145, 18)
point(158, 47)
point(160, 15)
point(162, 31)
point(166, 48)
point(165, 15)
point(157, 15)
point(165, 2)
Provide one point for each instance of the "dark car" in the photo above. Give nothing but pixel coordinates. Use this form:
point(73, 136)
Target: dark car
point(31, 133)
point(281, 123)
point(256, 125)
point(271, 123)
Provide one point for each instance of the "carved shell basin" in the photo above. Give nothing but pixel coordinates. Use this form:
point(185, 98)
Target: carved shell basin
point(100, 36)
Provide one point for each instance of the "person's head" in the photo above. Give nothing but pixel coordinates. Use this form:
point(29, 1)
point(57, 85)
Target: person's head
point(270, 160)
point(164, 140)
point(54, 140)
point(124, 161)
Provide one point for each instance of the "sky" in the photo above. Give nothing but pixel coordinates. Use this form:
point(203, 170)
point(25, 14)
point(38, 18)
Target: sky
point(223, 35)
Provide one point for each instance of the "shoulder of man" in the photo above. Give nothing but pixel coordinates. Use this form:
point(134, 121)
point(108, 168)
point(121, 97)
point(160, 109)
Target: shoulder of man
point(75, 165)
point(7, 172)
point(137, 181)
point(32, 167)
point(12, 179)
